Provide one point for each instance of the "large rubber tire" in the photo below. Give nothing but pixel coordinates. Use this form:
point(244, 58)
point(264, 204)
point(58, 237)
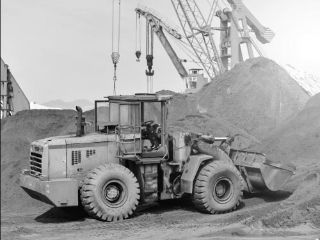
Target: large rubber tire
point(110, 193)
point(218, 188)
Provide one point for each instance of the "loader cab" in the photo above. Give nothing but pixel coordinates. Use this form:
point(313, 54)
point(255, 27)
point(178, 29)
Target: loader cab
point(139, 121)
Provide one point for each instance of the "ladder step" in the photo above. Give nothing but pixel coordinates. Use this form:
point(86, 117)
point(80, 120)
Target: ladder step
point(129, 156)
point(174, 164)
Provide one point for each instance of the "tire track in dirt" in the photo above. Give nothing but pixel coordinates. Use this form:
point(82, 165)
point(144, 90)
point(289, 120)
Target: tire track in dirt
point(167, 217)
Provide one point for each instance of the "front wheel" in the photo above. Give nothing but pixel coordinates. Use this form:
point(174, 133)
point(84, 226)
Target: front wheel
point(110, 192)
point(218, 188)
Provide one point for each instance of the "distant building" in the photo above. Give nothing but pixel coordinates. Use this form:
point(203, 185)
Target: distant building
point(195, 80)
point(12, 97)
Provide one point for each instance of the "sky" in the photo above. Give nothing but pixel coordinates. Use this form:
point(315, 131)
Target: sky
point(60, 49)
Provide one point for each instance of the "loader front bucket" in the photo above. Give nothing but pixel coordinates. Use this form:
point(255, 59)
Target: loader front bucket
point(261, 173)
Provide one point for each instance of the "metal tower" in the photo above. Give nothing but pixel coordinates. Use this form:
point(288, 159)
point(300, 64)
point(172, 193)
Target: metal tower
point(236, 25)
point(199, 34)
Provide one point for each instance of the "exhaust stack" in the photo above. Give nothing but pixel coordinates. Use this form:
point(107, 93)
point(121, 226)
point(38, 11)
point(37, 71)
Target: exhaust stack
point(80, 122)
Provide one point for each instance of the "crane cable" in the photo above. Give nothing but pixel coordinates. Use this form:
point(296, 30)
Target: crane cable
point(115, 56)
point(149, 56)
point(138, 36)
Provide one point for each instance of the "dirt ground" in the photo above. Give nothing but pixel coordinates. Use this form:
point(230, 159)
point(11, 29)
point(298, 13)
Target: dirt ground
point(292, 213)
point(244, 101)
point(168, 220)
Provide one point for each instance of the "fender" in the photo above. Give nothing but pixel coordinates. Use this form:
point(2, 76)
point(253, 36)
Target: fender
point(192, 165)
point(190, 171)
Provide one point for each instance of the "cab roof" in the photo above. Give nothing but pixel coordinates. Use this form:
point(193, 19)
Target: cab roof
point(141, 97)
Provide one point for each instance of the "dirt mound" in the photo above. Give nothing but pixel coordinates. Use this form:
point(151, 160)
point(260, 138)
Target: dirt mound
point(297, 141)
point(17, 132)
point(166, 92)
point(251, 100)
point(302, 207)
point(299, 138)
point(257, 96)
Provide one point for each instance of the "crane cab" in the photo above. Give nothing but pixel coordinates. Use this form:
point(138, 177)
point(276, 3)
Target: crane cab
point(195, 80)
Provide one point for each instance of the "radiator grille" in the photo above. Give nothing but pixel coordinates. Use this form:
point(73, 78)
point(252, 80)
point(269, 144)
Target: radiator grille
point(35, 163)
point(76, 157)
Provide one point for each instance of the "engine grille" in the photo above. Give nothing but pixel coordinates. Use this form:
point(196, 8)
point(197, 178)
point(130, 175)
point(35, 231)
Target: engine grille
point(35, 163)
point(76, 157)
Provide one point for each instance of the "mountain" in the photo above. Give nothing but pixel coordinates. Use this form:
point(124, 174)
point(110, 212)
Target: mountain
point(58, 103)
point(309, 82)
point(34, 105)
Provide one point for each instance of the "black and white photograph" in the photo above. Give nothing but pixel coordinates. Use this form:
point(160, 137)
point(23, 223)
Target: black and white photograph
point(160, 119)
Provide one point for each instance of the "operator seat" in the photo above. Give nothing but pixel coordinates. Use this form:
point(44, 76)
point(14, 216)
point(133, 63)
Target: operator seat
point(152, 131)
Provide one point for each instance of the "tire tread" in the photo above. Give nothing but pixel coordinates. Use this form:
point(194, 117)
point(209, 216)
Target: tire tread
point(91, 204)
point(200, 193)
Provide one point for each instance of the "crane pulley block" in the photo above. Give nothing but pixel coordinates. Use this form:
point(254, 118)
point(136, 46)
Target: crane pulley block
point(149, 71)
point(138, 55)
point(115, 56)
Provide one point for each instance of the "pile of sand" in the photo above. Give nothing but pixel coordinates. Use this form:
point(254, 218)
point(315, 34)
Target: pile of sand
point(257, 96)
point(298, 141)
point(302, 207)
point(299, 138)
point(251, 100)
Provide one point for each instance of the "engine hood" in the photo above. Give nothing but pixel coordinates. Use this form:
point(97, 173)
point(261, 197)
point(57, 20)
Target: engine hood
point(62, 141)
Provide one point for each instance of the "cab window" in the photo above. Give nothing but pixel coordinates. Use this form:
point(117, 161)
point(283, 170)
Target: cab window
point(102, 117)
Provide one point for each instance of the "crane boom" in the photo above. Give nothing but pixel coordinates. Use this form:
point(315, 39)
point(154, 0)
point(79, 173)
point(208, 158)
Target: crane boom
point(157, 25)
point(239, 22)
point(199, 34)
point(263, 34)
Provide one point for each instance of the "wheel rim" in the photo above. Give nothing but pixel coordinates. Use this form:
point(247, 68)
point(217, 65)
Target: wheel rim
point(114, 193)
point(223, 190)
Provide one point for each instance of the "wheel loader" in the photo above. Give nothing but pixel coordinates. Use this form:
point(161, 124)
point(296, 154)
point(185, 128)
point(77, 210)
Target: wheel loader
point(131, 159)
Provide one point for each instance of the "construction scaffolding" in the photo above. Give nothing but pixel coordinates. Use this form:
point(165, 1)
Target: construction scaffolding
point(13, 98)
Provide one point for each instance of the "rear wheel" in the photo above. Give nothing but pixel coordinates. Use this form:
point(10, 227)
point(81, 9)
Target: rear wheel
point(110, 192)
point(218, 188)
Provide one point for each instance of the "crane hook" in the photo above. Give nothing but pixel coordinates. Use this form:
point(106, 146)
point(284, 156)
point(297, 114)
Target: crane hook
point(138, 37)
point(115, 56)
point(138, 55)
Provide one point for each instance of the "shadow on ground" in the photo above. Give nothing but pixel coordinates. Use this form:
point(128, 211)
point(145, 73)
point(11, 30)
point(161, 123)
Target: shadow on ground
point(269, 196)
point(77, 214)
point(62, 215)
point(167, 206)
